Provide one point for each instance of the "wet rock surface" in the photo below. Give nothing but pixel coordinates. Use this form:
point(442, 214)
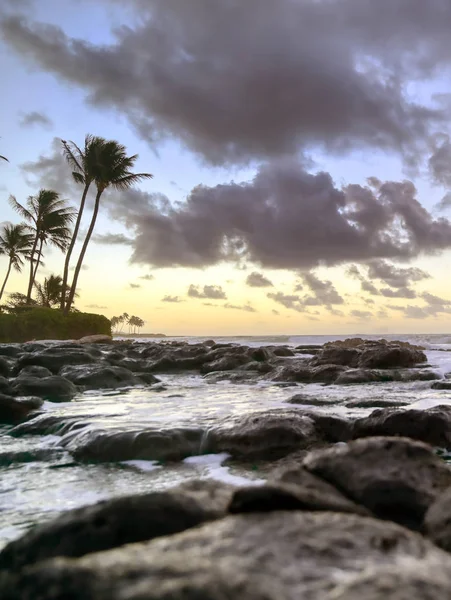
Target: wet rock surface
point(260, 556)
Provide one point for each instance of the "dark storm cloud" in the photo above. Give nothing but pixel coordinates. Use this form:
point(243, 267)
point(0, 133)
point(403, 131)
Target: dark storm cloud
point(258, 280)
point(211, 292)
point(245, 307)
point(171, 299)
point(112, 239)
point(440, 161)
point(286, 218)
point(35, 118)
point(244, 80)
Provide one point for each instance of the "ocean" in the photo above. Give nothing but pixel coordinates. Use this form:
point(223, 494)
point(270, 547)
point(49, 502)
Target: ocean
point(40, 479)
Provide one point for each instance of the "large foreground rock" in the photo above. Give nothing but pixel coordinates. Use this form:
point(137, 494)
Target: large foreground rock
point(53, 389)
point(275, 556)
point(55, 359)
point(118, 522)
point(432, 426)
point(437, 522)
point(395, 478)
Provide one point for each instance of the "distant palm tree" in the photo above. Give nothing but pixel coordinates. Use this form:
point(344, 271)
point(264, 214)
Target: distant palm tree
point(50, 219)
point(114, 170)
point(15, 243)
point(85, 165)
point(3, 158)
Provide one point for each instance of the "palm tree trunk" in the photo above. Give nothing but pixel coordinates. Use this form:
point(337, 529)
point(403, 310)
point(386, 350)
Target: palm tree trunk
point(33, 250)
point(6, 279)
point(72, 244)
point(73, 288)
point(38, 260)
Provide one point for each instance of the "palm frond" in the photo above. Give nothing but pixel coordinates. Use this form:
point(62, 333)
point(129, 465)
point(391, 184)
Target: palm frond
point(126, 182)
point(20, 209)
point(3, 158)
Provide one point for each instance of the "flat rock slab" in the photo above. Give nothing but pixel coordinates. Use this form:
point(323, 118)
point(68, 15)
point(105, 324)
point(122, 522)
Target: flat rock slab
point(395, 478)
point(53, 389)
point(273, 556)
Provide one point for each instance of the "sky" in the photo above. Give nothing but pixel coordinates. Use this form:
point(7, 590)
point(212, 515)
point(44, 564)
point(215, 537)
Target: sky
point(300, 151)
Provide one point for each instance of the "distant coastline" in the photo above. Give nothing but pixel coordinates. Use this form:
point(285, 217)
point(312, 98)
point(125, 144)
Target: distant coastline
point(139, 335)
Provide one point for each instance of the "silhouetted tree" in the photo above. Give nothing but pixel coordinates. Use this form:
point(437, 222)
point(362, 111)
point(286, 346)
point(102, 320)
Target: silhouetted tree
point(15, 243)
point(114, 171)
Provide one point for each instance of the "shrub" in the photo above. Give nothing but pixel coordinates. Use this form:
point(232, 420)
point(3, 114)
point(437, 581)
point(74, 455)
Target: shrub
point(50, 324)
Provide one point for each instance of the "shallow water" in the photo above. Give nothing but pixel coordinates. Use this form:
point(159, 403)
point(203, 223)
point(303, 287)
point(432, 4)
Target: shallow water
point(39, 479)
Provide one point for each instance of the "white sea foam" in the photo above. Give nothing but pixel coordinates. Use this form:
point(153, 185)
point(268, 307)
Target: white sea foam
point(212, 464)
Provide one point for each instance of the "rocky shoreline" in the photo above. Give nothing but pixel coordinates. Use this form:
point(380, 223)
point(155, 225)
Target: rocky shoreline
point(351, 507)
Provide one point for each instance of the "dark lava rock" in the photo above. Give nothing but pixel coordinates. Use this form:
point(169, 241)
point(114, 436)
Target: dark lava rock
point(274, 556)
point(376, 403)
point(326, 373)
point(263, 435)
point(293, 489)
point(305, 399)
point(34, 371)
point(229, 362)
point(442, 385)
point(386, 356)
point(354, 376)
point(149, 444)
point(53, 389)
point(395, 478)
point(10, 350)
point(5, 386)
point(337, 355)
point(432, 426)
point(100, 376)
point(15, 410)
point(55, 359)
point(49, 424)
point(437, 522)
point(119, 521)
point(5, 367)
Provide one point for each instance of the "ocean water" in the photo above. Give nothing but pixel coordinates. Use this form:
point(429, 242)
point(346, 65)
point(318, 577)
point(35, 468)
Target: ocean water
point(39, 479)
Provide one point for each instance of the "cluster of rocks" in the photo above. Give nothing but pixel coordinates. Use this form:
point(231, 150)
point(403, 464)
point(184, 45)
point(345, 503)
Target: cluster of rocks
point(369, 519)
point(57, 372)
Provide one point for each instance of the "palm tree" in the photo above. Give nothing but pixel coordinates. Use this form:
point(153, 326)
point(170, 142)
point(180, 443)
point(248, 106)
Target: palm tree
point(50, 219)
point(3, 158)
point(15, 243)
point(48, 294)
point(113, 170)
point(85, 167)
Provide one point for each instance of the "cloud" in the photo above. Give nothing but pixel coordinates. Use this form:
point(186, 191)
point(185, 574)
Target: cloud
point(324, 292)
point(147, 277)
point(35, 118)
point(292, 302)
point(212, 292)
point(134, 286)
point(434, 300)
point(399, 293)
point(255, 279)
point(394, 276)
point(83, 268)
point(97, 307)
point(275, 312)
point(285, 218)
point(245, 307)
point(434, 307)
point(224, 95)
point(51, 171)
point(112, 239)
point(172, 299)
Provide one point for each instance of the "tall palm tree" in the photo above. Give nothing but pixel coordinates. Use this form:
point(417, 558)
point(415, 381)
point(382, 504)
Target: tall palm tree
point(15, 243)
point(85, 167)
point(49, 220)
point(3, 158)
point(113, 170)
